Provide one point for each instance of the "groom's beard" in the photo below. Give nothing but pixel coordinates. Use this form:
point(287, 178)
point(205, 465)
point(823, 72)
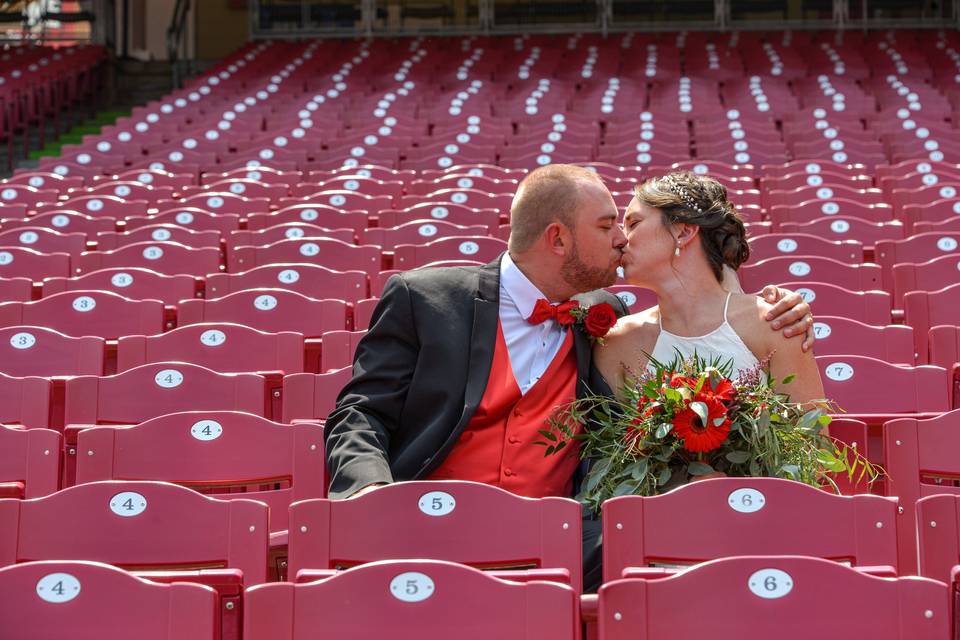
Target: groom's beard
point(583, 277)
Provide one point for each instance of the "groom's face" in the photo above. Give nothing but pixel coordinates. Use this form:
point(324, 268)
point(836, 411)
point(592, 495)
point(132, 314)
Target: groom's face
point(598, 242)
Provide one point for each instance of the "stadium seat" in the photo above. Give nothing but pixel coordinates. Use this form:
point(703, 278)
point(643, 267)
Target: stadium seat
point(20, 262)
point(135, 283)
point(38, 351)
point(226, 454)
point(29, 462)
point(841, 336)
point(271, 310)
point(171, 258)
point(409, 599)
point(332, 254)
point(16, 289)
point(938, 538)
point(850, 381)
point(855, 277)
point(918, 248)
point(773, 595)
point(308, 396)
point(445, 520)
point(869, 307)
point(410, 256)
point(172, 532)
point(98, 601)
point(87, 313)
point(778, 244)
point(755, 516)
point(924, 310)
point(310, 280)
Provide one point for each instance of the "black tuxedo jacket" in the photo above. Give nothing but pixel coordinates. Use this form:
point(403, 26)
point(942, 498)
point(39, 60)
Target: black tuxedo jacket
point(420, 372)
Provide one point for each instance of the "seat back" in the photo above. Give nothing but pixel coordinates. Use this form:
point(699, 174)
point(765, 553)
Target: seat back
point(410, 600)
point(772, 596)
point(96, 601)
point(38, 351)
point(445, 520)
point(137, 525)
point(216, 452)
point(745, 515)
point(29, 462)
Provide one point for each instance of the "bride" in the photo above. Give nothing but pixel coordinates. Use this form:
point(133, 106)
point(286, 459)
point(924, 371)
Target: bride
point(682, 232)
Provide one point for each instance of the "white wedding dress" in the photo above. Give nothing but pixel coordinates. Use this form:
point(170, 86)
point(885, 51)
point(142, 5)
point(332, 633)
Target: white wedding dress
point(723, 343)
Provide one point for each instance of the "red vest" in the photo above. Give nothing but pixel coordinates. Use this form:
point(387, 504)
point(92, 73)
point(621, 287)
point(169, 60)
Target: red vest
point(497, 446)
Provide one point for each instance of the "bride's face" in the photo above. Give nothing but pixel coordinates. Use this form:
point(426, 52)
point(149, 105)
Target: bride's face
point(650, 246)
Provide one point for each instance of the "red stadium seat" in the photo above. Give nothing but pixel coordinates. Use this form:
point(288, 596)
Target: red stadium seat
point(855, 277)
point(939, 538)
point(749, 516)
point(272, 310)
point(768, 596)
point(171, 258)
point(851, 381)
point(223, 347)
point(410, 256)
point(418, 231)
point(917, 457)
point(287, 231)
point(308, 396)
point(320, 215)
point(189, 218)
point(924, 310)
point(869, 233)
point(338, 349)
point(408, 600)
point(87, 313)
point(310, 280)
point(155, 526)
point(65, 221)
point(18, 262)
point(105, 602)
point(16, 289)
point(135, 283)
point(443, 211)
point(226, 454)
point(332, 254)
point(931, 275)
point(45, 240)
point(841, 336)
point(29, 462)
point(781, 244)
point(26, 401)
point(918, 248)
point(440, 520)
point(152, 390)
point(38, 351)
point(869, 307)
point(107, 240)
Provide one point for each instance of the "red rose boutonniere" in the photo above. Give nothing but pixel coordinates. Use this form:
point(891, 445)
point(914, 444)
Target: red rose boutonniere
point(596, 320)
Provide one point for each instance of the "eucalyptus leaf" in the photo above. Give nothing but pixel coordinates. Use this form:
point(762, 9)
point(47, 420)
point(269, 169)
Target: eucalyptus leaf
point(638, 470)
point(663, 430)
point(697, 468)
point(738, 457)
point(664, 476)
point(597, 473)
point(626, 488)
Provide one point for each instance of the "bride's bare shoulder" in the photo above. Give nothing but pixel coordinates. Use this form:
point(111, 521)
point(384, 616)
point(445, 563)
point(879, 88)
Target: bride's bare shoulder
point(636, 327)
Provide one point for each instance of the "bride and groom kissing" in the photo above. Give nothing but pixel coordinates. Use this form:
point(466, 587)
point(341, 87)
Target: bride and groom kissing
point(462, 366)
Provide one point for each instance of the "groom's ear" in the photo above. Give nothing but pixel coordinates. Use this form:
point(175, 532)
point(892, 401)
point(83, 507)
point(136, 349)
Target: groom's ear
point(558, 238)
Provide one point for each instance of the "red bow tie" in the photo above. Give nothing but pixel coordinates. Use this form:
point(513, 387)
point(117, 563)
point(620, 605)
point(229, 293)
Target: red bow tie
point(543, 311)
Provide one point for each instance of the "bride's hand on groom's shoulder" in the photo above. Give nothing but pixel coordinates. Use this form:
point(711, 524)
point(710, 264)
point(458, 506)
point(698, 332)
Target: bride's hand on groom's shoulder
point(791, 313)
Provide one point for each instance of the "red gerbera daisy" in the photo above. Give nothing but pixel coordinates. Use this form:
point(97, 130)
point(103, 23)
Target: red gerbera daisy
point(696, 436)
point(724, 390)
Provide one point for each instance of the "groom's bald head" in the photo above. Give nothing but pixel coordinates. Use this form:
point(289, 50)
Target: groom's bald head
point(553, 193)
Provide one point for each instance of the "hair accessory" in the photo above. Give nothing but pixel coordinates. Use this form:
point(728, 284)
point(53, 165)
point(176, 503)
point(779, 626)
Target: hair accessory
point(682, 193)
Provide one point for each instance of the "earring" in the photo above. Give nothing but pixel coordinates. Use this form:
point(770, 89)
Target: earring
point(677, 251)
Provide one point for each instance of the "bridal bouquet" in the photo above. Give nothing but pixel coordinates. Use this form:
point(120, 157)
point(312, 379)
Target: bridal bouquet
point(691, 418)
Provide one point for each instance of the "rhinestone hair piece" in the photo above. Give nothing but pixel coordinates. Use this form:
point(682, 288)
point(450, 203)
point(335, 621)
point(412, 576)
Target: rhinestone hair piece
point(683, 194)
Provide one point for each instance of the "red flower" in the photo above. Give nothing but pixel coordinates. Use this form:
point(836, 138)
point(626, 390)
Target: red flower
point(679, 380)
point(634, 435)
point(724, 390)
point(564, 317)
point(696, 436)
point(600, 318)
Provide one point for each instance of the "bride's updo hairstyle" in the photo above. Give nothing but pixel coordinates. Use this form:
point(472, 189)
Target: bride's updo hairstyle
point(688, 198)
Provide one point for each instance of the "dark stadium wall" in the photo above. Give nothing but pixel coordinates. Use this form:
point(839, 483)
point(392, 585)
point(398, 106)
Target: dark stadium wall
point(222, 26)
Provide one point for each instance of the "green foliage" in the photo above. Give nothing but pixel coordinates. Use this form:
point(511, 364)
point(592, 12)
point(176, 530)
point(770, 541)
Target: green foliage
point(633, 444)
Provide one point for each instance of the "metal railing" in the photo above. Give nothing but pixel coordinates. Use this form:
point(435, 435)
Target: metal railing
point(370, 18)
point(175, 42)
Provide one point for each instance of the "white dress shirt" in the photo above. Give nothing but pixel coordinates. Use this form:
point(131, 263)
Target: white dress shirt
point(532, 347)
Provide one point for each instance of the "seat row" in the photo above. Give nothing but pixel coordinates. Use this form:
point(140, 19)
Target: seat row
point(152, 524)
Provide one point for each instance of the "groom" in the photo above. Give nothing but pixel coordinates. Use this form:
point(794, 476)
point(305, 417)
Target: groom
point(462, 366)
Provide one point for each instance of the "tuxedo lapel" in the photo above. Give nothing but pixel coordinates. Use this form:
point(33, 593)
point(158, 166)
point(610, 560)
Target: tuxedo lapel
point(584, 352)
point(486, 314)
